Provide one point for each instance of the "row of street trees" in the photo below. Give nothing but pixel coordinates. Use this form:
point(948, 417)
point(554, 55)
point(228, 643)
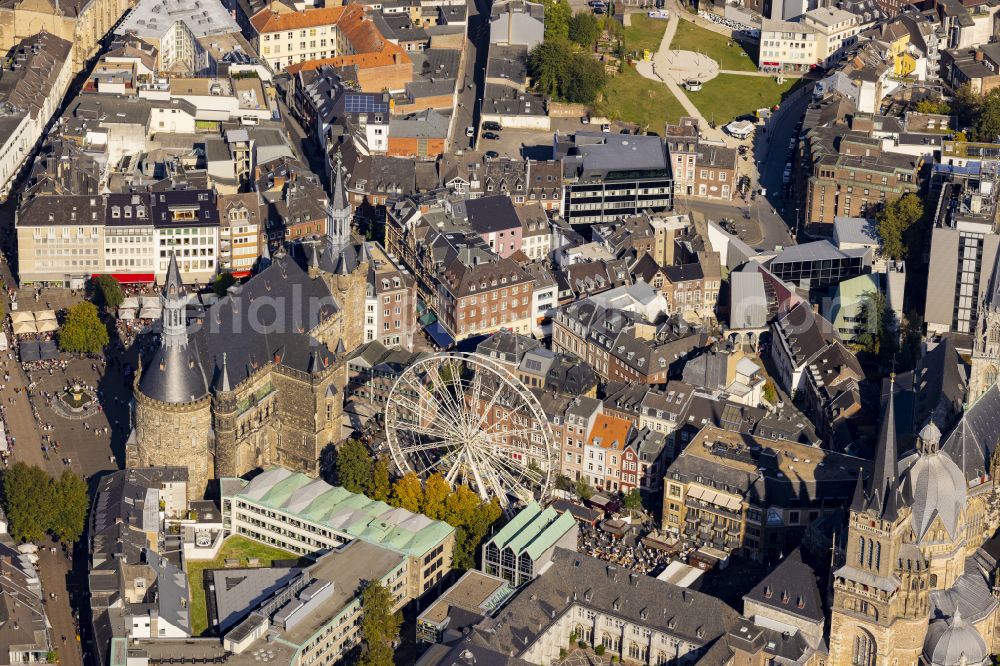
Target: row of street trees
point(460, 507)
point(35, 503)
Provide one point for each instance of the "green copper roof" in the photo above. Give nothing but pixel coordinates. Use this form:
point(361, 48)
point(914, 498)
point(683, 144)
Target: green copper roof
point(348, 513)
point(533, 530)
point(516, 524)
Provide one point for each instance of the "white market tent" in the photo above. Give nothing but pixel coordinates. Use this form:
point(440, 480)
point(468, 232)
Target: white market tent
point(45, 315)
point(47, 326)
point(22, 317)
point(25, 328)
point(130, 303)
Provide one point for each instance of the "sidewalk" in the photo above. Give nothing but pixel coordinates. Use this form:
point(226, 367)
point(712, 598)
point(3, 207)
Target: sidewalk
point(649, 70)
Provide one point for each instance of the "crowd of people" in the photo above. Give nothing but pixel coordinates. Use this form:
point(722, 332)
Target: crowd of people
point(625, 551)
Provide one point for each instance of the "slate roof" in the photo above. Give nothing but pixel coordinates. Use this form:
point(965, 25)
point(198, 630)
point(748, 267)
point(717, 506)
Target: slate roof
point(972, 442)
point(791, 588)
point(574, 579)
point(489, 215)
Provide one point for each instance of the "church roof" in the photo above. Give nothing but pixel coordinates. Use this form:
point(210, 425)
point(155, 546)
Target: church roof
point(883, 492)
point(954, 641)
point(938, 490)
point(971, 594)
point(972, 442)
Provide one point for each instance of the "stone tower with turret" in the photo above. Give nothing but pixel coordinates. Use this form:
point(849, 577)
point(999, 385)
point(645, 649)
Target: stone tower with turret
point(880, 608)
point(172, 405)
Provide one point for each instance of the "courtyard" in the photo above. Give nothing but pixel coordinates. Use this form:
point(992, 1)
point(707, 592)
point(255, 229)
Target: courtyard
point(235, 548)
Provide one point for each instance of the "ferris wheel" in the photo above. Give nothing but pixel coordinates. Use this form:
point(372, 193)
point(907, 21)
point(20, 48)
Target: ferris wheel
point(473, 421)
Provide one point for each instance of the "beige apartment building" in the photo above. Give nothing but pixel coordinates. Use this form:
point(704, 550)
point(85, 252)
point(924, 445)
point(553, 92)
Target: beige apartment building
point(284, 36)
point(60, 240)
point(239, 232)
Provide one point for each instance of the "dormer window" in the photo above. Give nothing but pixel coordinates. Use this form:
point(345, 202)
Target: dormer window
point(116, 212)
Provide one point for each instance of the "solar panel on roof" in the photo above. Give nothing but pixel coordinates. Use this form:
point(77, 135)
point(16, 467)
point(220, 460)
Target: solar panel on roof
point(365, 104)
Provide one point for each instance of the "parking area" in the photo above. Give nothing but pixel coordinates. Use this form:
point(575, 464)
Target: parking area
point(531, 143)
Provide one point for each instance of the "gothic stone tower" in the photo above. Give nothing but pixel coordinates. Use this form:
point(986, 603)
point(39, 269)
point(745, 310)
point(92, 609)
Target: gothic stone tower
point(986, 341)
point(173, 408)
point(881, 590)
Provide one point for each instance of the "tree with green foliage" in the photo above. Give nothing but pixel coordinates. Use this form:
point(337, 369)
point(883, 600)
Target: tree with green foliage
point(633, 500)
point(28, 502)
point(106, 291)
point(379, 625)
point(381, 486)
point(894, 221)
point(770, 392)
point(872, 316)
point(558, 14)
point(436, 491)
point(471, 517)
point(584, 29)
point(69, 494)
point(933, 106)
point(560, 71)
point(354, 466)
point(83, 331)
point(584, 80)
point(548, 64)
point(988, 117)
point(407, 492)
point(583, 490)
point(223, 281)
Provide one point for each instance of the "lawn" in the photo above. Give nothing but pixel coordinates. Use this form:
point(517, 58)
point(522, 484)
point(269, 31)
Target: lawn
point(644, 33)
point(729, 96)
point(234, 547)
point(631, 97)
point(691, 37)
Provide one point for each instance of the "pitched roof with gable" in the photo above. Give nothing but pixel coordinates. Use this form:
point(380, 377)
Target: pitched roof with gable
point(791, 588)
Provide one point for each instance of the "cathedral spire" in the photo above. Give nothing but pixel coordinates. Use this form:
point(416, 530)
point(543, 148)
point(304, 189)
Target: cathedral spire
point(174, 301)
point(884, 482)
point(858, 503)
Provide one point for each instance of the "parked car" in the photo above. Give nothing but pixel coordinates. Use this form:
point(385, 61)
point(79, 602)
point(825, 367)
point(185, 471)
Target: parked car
point(492, 136)
point(605, 127)
point(585, 120)
point(492, 154)
point(492, 126)
point(470, 131)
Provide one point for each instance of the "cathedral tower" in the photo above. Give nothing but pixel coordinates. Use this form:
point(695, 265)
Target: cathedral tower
point(880, 589)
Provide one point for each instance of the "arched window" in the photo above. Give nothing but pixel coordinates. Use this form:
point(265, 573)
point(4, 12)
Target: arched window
point(990, 376)
point(994, 335)
point(861, 551)
point(871, 552)
point(878, 555)
point(864, 650)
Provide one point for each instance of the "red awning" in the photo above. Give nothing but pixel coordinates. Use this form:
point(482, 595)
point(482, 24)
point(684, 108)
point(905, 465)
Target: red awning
point(132, 278)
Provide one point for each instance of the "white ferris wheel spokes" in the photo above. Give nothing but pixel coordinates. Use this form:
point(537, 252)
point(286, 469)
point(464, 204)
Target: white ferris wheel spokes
point(470, 419)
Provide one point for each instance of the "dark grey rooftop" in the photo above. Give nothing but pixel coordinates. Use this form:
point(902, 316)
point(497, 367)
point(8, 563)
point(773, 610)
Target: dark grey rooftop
point(574, 579)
